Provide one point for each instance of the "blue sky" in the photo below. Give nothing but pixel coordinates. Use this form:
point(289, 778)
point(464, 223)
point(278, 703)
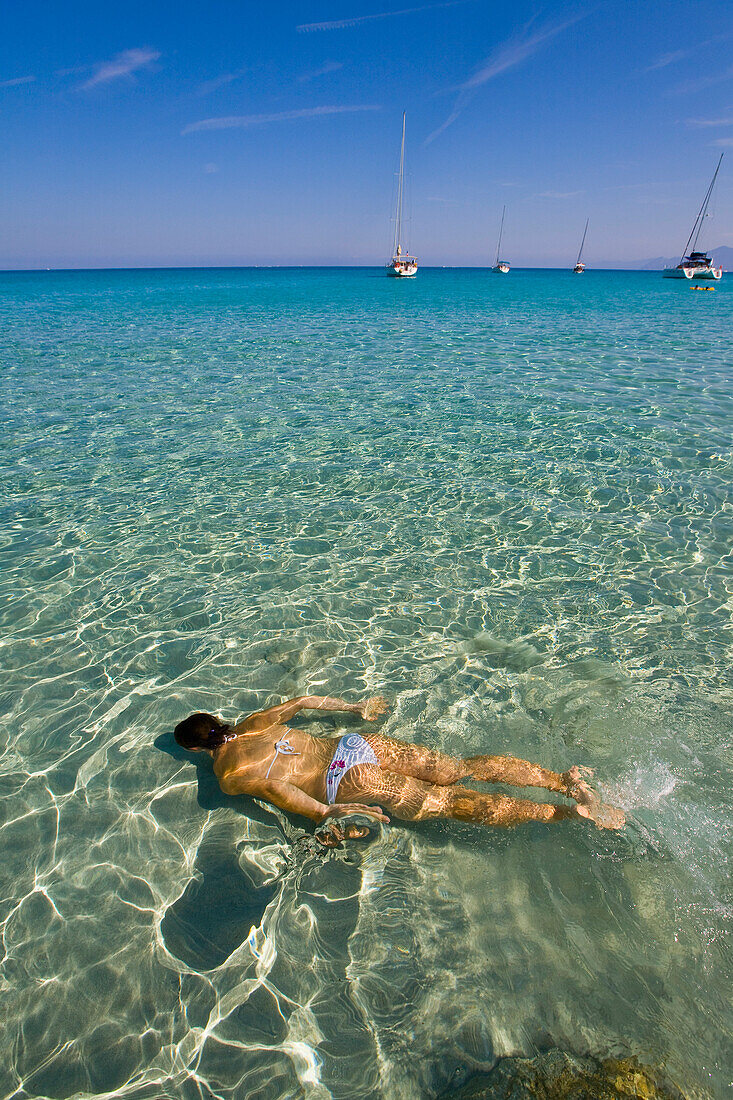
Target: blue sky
point(244, 133)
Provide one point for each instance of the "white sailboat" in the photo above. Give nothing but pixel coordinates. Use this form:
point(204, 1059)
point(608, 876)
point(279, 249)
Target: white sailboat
point(501, 267)
point(402, 265)
point(579, 265)
point(694, 264)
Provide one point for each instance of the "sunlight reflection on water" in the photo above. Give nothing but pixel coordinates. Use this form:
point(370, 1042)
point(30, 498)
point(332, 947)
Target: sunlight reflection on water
point(505, 508)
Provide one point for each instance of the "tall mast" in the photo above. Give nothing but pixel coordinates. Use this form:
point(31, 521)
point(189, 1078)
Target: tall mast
point(398, 220)
point(501, 230)
point(582, 242)
point(697, 227)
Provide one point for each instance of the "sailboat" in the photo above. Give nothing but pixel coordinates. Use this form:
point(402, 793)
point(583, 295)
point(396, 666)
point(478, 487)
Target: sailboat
point(579, 265)
point(501, 267)
point(694, 264)
point(402, 265)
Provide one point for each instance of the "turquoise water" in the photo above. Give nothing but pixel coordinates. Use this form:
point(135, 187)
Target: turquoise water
point(504, 503)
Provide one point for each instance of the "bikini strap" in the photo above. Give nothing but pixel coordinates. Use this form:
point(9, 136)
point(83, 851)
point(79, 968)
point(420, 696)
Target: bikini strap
point(283, 747)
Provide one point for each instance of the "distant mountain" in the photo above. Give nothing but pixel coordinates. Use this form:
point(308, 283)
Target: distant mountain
point(722, 255)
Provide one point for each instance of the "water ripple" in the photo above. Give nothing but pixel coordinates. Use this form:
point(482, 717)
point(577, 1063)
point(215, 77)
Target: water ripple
point(508, 509)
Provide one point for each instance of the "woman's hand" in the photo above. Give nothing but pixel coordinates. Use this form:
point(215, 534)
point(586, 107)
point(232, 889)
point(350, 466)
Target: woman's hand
point(345, 809)
point(373, 708)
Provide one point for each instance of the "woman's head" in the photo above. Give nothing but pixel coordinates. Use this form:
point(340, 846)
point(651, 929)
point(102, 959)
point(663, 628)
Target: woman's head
point(202, 731)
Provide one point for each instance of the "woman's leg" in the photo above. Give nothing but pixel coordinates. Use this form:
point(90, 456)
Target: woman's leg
point(436, 767)
point(415, 800)
point(418, 761)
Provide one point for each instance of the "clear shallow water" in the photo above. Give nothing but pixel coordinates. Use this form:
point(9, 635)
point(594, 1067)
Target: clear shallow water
point(503, 503)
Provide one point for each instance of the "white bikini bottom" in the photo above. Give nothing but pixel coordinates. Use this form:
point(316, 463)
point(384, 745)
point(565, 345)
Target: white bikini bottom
point(351, 750)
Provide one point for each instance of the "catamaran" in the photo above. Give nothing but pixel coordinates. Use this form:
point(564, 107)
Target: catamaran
point(694, 264)
point(501, 267)
point(579, 265)
point(402, 265)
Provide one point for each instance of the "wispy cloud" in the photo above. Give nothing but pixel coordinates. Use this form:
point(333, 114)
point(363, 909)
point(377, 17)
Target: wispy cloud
point(711, 121)
point(16, 81)
point(558, 194)
point(724, 141)
point(231, 122)
point(667, 59)
point(124, 64)
point(510, 54)
point(515, 51)
point(327, 67)
point(220, 82)
point(356, 20)
point(704, 82)
point(679, 55)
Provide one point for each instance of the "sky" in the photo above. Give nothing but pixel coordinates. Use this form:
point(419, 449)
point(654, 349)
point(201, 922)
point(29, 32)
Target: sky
point(243, 133)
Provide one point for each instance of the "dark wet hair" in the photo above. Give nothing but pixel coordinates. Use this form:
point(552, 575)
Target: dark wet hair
point(202, 731)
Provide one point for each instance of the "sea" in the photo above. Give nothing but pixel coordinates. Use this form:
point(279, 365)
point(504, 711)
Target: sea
point(503, 503)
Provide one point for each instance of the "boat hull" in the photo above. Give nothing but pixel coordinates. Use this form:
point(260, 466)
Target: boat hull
point(578, 269)
point(688, 272)
point(501, 269)
point(402, 271)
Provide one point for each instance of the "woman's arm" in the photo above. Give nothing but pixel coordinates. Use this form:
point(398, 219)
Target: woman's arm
point(288, 797)
point(370, 709)
point(284, 795)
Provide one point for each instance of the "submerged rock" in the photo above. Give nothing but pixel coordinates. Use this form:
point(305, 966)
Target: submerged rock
point(557, 1075)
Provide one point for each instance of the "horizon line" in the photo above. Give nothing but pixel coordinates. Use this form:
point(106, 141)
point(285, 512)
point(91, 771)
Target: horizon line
point(312, 267)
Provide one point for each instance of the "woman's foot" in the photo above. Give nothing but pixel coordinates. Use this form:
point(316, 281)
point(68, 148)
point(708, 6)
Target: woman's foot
point(577, 788)
point(605, 817)
point(589, 804)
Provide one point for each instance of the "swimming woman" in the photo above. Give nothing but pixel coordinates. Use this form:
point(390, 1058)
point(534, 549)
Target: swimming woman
point(326, 781)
